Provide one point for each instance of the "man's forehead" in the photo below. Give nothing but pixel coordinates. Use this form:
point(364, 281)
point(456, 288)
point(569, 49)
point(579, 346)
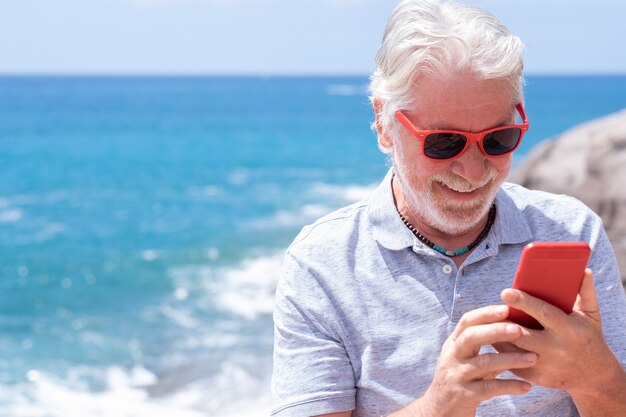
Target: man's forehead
point(470, 120)
point(460, 87)
point(461, 103)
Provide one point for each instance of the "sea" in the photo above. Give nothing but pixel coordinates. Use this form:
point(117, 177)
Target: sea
point(143, 222)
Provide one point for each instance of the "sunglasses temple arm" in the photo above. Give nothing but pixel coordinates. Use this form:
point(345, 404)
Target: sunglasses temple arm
point(407, 123)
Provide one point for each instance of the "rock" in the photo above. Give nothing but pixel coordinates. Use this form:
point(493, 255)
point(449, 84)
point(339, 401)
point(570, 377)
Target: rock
point(587, 162)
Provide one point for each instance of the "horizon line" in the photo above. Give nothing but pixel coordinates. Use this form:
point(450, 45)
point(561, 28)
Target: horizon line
point(131, 74)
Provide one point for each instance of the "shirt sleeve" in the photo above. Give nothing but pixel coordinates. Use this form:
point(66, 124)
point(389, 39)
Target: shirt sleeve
point(610, 291)
point(312, 373)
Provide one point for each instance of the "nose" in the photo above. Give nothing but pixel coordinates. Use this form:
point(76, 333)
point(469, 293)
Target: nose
point(472, 165)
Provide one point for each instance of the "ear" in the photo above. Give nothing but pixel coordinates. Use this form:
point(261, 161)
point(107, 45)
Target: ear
point(384, 140)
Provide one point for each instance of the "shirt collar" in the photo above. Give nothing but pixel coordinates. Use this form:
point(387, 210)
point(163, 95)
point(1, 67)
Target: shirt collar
point(510, 226)
point(387, 227)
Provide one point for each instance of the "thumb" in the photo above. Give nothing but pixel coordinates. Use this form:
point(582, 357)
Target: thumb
point(587, 299)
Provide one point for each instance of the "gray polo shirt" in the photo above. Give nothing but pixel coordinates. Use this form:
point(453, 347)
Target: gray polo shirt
point(363, 307)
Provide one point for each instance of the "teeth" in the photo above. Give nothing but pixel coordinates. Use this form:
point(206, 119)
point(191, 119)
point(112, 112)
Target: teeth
point(460, 189)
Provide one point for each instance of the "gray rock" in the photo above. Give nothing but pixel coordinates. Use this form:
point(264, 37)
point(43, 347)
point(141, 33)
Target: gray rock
point(589, 163)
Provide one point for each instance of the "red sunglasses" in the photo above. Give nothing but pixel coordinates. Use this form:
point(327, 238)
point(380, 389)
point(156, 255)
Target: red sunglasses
point(450, 144)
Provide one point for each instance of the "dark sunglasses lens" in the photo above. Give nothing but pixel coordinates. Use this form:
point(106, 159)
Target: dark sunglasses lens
point(502, 141)
point(444, 145)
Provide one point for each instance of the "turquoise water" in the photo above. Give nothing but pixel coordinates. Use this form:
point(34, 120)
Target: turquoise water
point(142, 222)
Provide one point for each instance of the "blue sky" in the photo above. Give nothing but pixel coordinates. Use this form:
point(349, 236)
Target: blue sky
point(277, 36)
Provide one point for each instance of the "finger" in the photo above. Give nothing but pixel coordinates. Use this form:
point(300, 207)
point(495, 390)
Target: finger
point(587, 300)
point(506, 347)
point(490, 365)
point(483, 315)
point(532, 340)
point(545, 313)
point(489, 388)
point(469, 342)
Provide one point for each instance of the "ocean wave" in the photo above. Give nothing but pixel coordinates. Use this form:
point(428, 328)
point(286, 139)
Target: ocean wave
point(50, 231)
point(292, 219)
point(50, 197)
point(239, 176)
point(213, 253)
point(187, 300)
point(332, 197)
point(125, 393)
point(347, 90)
point(245, 289)
point(11, 215)
point(248, 289)
point(234, 390)
point(348, 193)
point(183, 317)
point(149, 255)
point(211, 190)
point(208, 191)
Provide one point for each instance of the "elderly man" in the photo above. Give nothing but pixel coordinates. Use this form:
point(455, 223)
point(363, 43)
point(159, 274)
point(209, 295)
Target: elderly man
point(398, 305)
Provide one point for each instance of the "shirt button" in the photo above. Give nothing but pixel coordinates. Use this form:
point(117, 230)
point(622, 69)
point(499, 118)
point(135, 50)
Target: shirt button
point(447, 269)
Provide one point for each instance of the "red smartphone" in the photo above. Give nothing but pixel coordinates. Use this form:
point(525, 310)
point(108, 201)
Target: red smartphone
point(552, 271)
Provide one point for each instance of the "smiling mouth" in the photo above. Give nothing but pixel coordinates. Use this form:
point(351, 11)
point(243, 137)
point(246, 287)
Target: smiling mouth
point(460, 190)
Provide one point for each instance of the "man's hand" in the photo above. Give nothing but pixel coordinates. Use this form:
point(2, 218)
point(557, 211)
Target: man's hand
point(463, 377)
point(572, 353)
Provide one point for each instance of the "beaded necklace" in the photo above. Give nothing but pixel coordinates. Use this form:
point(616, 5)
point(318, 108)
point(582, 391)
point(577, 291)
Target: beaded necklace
point(451, 253)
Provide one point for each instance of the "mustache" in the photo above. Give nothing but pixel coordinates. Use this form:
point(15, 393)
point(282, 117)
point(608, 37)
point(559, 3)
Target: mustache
point(458, 183)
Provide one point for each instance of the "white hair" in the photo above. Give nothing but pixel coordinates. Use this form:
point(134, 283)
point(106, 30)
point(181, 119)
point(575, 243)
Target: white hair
point(440, 38)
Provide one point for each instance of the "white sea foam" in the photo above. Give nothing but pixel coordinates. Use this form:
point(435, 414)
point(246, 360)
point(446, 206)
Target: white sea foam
point(347, 193)
point(181, 316)
point(49, 232)
point(181, 294)
point(192, 278)
point(51, 197)
point(149, 255)
point(124, 396)
point(347, 90)
point(211, 190)
point(331, 197)
point(248, 290)
point(284, 218)
point(213, 253)
point(232, 391)
point(11, 215)
point(239, 176)
point(207, 191)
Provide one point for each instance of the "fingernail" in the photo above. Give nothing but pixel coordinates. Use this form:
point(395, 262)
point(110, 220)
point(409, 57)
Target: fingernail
point(510, 294)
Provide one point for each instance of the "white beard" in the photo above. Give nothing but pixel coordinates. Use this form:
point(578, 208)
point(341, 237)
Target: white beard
point(445, 215)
